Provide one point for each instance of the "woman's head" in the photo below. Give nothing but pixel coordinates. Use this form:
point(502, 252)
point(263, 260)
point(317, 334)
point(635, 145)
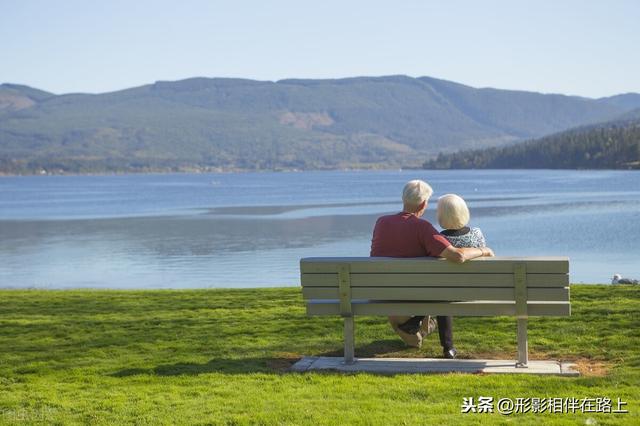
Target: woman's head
point(453, 212)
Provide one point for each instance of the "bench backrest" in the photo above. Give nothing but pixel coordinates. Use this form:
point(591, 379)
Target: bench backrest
point(523, 286)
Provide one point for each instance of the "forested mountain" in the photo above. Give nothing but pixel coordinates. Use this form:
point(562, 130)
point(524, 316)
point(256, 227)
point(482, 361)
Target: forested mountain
point(215, 123)
point(612, 145)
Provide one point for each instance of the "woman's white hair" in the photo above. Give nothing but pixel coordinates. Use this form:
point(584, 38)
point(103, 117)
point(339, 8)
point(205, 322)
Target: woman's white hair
point(415, 192)
point(453, 212)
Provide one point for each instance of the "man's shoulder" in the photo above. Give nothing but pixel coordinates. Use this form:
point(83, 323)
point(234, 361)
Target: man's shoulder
point(410, 221)
point(388, 218)
point(391, 216)
point(424, 223)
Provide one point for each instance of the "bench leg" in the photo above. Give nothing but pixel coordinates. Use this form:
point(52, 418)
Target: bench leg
point(349, 340)
point(523, 346)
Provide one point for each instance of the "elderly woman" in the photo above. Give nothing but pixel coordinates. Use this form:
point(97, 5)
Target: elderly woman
point(453, 217)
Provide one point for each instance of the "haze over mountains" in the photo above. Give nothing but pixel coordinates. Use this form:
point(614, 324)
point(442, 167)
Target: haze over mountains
point(216, 123)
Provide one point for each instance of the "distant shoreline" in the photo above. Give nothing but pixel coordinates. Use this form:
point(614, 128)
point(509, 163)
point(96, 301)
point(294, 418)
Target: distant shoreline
point(202, 170)
point(283, 170)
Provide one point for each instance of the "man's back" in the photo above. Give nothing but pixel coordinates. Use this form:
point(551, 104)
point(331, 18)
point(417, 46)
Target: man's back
point(405, 235)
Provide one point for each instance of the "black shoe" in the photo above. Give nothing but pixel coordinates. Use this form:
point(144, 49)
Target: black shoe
point(450, 353)
point(412, 326)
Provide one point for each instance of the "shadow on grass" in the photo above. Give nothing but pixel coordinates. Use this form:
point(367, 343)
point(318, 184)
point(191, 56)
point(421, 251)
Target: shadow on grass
point(275, 365)
point(373, 349)
point(216, 365)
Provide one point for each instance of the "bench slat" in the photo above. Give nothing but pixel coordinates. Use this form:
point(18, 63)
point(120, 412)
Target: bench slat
point(438, 293)
point(435, 280)
point(483, 265)
point(451, 308)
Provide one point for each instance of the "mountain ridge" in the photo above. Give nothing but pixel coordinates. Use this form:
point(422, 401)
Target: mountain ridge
point(232, 123)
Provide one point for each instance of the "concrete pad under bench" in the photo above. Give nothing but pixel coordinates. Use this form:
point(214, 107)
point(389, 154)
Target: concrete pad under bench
point(432, 365)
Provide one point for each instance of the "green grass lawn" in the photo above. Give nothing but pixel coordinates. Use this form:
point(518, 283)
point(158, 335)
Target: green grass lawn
point(221, 357)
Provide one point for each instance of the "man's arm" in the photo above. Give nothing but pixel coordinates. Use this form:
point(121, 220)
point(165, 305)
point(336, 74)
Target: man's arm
point(461, 255)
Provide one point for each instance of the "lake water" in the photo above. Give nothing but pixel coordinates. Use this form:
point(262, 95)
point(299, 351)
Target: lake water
point(251, 229)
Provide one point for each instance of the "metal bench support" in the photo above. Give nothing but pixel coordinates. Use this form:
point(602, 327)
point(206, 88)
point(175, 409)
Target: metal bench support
point(344, 284)
point(523, 346)
point(349, 340)
point(520, 277)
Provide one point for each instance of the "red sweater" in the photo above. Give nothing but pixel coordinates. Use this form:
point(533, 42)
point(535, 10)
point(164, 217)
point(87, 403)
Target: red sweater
point(405, 235)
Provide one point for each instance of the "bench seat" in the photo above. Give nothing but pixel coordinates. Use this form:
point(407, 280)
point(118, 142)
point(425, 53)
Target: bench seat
point(497, 286)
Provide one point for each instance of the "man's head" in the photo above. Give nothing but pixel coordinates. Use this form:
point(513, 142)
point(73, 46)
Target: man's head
point(415, 196)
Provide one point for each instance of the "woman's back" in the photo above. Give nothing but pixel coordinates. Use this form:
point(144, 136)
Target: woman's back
point(465, 237)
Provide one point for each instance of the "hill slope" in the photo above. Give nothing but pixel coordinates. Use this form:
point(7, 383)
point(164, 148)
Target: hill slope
point(234, 123)
point(612, 145)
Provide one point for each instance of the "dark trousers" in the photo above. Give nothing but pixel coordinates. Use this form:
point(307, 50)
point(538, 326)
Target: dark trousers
point(445, 329)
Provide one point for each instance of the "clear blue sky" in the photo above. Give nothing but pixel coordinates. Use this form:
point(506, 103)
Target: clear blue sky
point(587, 48)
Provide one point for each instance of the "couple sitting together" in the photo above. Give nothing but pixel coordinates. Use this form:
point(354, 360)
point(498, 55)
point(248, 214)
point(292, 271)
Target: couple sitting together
point(405, 234)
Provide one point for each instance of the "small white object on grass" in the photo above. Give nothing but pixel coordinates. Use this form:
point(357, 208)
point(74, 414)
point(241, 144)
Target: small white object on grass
point(617, 279)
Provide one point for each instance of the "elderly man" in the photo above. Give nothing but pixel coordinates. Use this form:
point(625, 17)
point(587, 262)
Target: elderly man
point(405, 234)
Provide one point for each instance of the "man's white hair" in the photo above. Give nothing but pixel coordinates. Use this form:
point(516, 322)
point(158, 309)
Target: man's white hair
point(415, 192)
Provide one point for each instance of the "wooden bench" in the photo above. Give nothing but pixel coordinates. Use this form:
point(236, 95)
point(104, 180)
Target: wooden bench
point(520, 287)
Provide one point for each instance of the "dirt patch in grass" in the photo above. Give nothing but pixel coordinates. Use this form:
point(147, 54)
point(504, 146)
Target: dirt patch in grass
point(587, 367)
point(590, 368)
point(283, 361)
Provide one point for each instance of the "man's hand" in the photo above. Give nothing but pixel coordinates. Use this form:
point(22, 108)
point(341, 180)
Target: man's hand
point(453, 254)
point(461, 255)
point(488, 252)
